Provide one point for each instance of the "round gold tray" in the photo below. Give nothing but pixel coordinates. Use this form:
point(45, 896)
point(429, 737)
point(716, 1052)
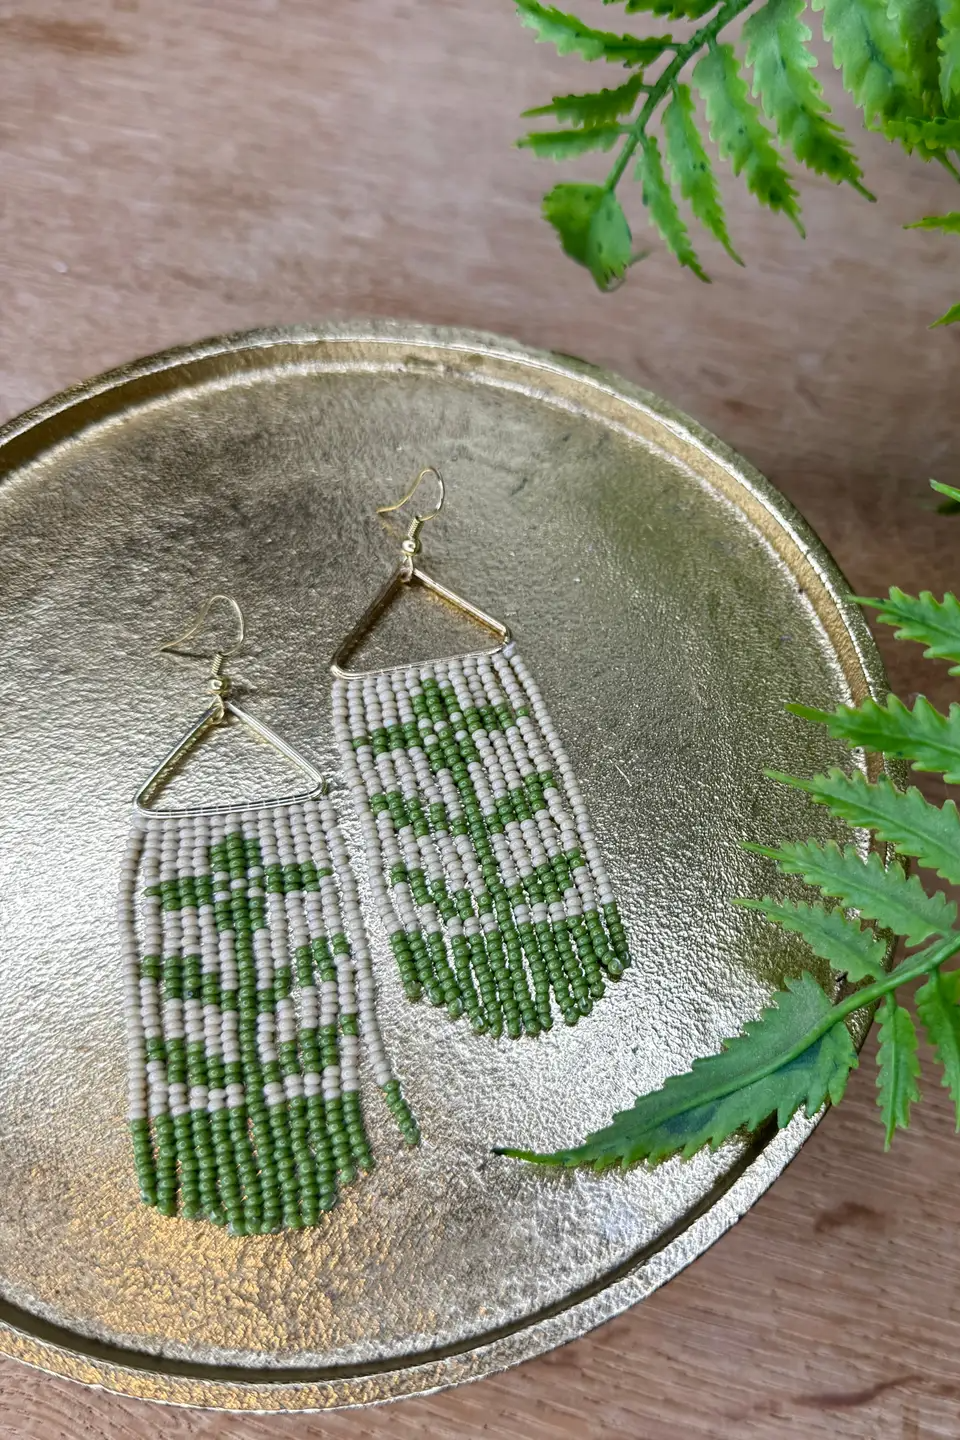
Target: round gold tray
point(669, 602)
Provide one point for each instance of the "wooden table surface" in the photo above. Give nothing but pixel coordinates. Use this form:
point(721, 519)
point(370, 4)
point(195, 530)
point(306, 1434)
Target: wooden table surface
point(176, 168)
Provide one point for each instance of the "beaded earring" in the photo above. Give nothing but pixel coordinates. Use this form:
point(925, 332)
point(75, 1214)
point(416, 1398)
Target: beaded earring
point(482, 859)
point(248, 990)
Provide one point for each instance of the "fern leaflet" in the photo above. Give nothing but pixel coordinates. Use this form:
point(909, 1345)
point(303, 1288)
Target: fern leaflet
point(949, 46)
point(931, 622)
point(898, 1067)
point(601, 107)
point(739, 133)
point(571, 36)
point(776, 41)
point(794, 1055)
point(931, 741)
point(938, 1005)
point(690, 167)
point(592, 229)
point(928, 833)
point(949, 222)
point(897, 902)
point(853, 951)
point(662, 206)
point(561, 144)
point(869, 50)
point(941, 133)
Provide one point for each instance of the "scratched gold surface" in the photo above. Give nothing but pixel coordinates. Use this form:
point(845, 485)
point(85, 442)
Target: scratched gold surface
point(669, 602)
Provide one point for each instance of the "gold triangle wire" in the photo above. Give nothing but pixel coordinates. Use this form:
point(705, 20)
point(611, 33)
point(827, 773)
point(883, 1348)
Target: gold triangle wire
point(210, 717)
point(404, 576)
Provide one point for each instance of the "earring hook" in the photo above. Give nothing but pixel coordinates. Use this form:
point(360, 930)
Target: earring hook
point(427, 470)
point(411, 545)
point(218, 684)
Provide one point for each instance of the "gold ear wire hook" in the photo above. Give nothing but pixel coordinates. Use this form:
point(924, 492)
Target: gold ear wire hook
point(411, 544)
point(218, 683)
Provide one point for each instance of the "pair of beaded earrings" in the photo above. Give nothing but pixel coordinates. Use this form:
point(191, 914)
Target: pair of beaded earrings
point(249, 989)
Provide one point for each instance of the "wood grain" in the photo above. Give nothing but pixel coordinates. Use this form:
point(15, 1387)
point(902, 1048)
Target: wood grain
point(171, 169)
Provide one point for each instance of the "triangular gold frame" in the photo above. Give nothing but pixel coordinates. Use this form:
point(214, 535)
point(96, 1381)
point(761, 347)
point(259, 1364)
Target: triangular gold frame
point(406, 575)
point(213, 714)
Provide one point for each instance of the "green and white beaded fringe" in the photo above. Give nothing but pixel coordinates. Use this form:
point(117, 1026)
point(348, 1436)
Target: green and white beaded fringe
point(248, 991)
point(483, 863)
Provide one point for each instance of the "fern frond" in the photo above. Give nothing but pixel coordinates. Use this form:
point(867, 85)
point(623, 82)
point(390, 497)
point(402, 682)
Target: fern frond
point(690, 167)
point(928, 833)
point(600, 107)
point(898, 1067)
point(740, 134)
point(938, 1005)
point(592, 228)
point(562, 144)
point(929, 740)
point(572, 37)
point(949, 46)
point(851, 949)
point(869, 50)
point(662, 206)
point(896, 901)
point(931, 622)
point(790, 1057)
point(777, 42)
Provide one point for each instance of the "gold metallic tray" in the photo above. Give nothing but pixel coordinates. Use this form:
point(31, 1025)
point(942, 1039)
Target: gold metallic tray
point(669, 602)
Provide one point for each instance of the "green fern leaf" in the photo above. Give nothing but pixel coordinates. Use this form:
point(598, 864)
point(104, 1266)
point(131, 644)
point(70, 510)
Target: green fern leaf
point(938, 133)
point(951, 505)
point(931, 622)
point(662, 206)
point(602, 107)
point(951, 492)
point(898, 1067)
point(740, 134)
point(777, 41)
point(788, 1058)
point(869, 49)
point(949, 222)
point(950, 50)
point(675, 9)
point(593, 230)
point(929, 740)
point(928, 833)
point(571, 36)
point(917, 24)
point(950, 317)
point(897, 902)
point(690, 167)
point(938, 1005)
point(855, 952)
point(563, 144)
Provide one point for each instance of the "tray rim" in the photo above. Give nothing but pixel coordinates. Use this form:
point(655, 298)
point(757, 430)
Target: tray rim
point(23, 439)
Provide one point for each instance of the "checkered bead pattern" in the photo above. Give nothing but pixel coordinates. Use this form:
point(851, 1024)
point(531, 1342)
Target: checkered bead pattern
point(248, 992)
point(483, 863)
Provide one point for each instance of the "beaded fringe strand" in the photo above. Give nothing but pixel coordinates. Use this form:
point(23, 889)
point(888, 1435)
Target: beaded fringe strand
point(248, 989)
point(482, 859)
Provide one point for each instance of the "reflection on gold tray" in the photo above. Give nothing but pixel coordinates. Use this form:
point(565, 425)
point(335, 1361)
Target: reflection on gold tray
point(670, 602)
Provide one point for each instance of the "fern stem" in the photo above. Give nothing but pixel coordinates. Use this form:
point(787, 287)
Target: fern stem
point(910, 969)
point(665, 81)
